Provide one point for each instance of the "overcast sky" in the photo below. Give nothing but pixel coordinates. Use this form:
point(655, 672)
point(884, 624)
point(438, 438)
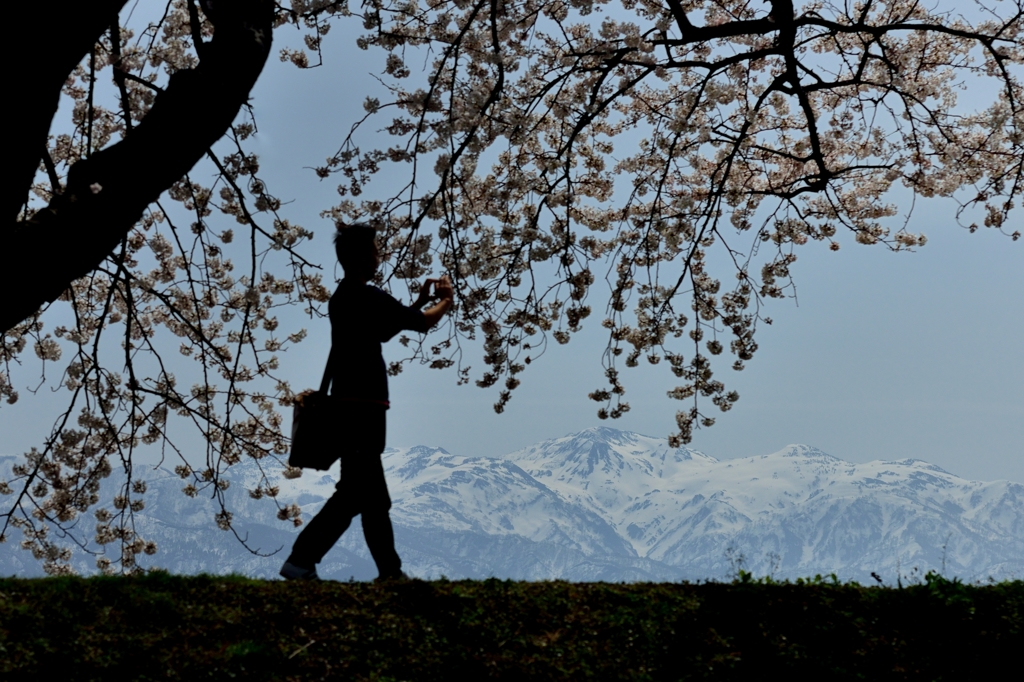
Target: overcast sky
point(883, 356)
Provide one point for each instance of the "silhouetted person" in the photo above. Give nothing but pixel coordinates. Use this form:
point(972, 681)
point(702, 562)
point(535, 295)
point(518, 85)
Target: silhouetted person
point(362, 318)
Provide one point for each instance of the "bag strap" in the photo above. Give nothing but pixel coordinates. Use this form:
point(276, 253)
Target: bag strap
point(326, 381)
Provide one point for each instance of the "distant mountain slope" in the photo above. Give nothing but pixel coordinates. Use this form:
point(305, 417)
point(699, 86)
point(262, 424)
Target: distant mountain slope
point(796, 512)
point(611, 505)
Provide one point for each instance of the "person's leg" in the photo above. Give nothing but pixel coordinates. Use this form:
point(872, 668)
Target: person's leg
point(380, 538)
point(334, 518)
point(320, 534)
point(375, 500)
point(362, 489)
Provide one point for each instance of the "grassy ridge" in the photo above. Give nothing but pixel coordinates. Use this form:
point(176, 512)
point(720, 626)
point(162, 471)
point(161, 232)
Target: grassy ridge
point(161, 627)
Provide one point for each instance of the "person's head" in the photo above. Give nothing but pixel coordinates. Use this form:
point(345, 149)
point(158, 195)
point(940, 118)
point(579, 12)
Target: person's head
point(356, 247)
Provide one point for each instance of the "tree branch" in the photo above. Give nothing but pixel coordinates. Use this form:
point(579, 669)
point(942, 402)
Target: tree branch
point(107, 193)
point(51, 172)
point(685, 27)
point(72, 28)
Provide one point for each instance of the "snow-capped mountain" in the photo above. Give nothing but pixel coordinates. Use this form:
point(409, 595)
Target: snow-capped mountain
point(611, 505)
point(793, 513)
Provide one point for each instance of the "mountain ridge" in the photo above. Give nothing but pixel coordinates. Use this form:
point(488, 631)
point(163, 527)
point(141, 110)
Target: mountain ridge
point(603, 504)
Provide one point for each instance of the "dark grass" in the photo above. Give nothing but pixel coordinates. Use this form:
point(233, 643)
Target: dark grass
point(162, 627)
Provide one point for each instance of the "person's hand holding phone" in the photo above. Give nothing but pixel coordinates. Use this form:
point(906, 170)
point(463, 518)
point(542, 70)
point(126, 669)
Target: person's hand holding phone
point(425, 296)
point(443, 288)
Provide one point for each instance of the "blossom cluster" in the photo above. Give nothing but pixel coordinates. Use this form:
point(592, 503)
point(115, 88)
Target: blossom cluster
point(685, 149)
point(179, 326)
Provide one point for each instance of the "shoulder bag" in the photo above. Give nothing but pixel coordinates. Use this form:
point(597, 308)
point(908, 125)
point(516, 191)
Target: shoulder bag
point(314, 427)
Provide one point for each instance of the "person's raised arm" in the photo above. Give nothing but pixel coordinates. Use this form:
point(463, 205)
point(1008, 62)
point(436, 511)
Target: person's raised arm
point(443, 289)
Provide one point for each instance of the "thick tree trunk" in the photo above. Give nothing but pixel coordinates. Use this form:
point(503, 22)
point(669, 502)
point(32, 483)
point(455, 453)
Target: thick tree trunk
point(107, 193)
point(49, 39)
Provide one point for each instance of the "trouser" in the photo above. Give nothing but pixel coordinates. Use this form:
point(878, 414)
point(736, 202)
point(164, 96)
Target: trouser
point(361, 490)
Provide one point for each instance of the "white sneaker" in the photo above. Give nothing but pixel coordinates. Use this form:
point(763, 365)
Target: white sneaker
point(292, 572)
